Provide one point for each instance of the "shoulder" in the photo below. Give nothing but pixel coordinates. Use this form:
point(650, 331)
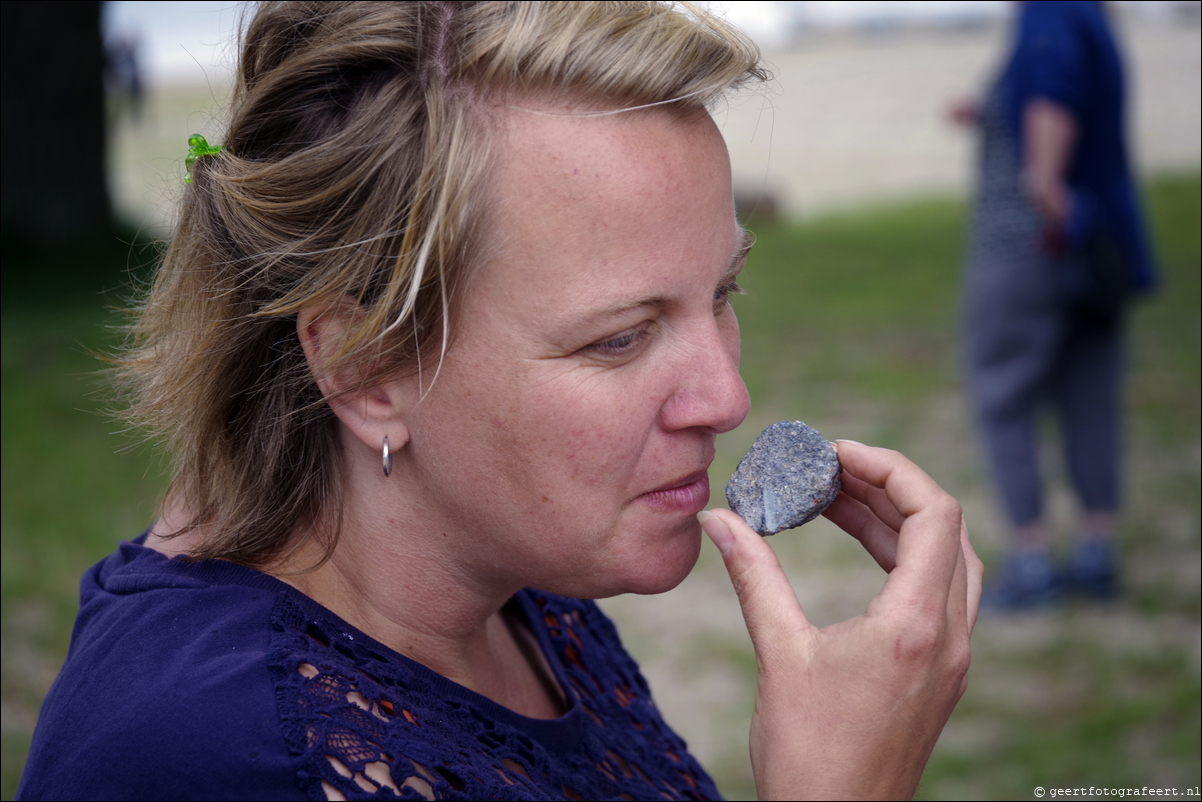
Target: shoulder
point(166, 691)
point(1048, 24)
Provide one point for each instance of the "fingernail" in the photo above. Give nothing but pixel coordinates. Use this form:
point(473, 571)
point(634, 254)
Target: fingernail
point(718, 531)
point(853, 442)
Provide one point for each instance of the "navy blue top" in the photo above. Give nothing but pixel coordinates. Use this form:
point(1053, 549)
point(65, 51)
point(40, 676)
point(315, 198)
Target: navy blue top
point(1065, 52)
point(211, 680)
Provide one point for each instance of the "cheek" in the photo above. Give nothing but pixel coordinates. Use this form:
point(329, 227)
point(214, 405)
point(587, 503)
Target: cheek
point(728, 329)
point(594, 429)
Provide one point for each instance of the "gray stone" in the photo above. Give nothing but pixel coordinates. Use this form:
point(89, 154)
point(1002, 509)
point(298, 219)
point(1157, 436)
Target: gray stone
point(790, 475)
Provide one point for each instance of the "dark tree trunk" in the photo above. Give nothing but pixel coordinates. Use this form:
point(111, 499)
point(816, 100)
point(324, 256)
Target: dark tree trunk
point(52, 121)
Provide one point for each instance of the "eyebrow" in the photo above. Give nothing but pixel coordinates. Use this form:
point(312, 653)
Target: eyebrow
point(746, 242)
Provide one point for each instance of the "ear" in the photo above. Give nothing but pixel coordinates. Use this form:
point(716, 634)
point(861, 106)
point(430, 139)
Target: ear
point(370, 411)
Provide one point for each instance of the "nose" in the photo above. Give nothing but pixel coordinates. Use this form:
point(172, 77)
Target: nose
point(709, 392)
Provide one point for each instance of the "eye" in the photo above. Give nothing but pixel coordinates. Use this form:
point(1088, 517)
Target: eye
point(622, 345)
point(723, 293)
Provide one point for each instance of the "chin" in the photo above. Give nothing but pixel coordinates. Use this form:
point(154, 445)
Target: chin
point(657, 569)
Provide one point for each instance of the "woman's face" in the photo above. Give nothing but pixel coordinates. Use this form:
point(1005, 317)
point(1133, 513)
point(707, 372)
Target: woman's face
point(566, 438)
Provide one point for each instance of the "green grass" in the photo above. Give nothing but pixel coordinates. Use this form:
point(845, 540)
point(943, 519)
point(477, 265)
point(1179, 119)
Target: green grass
point(850, 323)
point(859, 305)
point(70, 486)
point(71, 489)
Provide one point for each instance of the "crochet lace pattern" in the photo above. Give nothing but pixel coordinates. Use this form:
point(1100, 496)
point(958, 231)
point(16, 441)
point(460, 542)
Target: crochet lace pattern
point(366, 723)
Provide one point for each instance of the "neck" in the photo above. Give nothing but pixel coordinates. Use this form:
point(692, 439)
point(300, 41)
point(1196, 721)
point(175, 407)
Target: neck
point(411, 584)
point(408, 598)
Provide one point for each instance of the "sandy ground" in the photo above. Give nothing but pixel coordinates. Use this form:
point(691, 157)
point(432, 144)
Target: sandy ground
point(850, 119)
point(858, 119)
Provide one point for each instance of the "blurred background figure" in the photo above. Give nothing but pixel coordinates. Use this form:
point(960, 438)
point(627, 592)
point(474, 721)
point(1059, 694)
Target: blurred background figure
point(1057, 248)
point(123, 74)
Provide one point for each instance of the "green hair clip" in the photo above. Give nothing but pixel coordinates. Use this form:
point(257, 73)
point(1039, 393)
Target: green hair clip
point(197, 146)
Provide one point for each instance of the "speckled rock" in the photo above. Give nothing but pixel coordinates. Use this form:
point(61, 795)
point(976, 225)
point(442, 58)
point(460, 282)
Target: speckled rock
point(790, 475)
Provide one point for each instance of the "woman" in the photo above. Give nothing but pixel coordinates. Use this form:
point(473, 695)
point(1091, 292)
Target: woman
point(442, 345)
point(1058, 245)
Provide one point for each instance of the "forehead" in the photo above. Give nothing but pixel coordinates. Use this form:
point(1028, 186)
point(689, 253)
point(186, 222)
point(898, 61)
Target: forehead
point(589, 201)
point(576, 149)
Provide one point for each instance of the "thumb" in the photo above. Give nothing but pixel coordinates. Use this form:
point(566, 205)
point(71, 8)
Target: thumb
point(771, 610)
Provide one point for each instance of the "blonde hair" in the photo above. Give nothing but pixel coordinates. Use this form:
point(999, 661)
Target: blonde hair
point(355, 168)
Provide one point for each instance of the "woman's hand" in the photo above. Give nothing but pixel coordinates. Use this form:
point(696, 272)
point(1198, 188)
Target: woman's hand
point(964, 112)
point(853, 710)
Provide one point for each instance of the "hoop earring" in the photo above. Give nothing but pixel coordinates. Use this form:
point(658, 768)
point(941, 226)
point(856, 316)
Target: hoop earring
point(387, 458)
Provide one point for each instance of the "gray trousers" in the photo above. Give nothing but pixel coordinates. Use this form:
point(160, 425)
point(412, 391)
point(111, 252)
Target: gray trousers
point(1026, 353)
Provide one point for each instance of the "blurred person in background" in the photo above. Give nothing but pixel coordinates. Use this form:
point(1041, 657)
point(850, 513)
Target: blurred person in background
point(124, 82)
point(1057, 248)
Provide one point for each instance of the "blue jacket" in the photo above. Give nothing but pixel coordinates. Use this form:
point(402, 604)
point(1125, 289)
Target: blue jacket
point(1065, 52)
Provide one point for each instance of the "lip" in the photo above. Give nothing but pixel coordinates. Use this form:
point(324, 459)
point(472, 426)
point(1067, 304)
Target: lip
point(688, 494)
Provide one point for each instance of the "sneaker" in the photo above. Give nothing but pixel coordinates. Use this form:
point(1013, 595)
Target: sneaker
point(1093, 570)
point(1027, 580)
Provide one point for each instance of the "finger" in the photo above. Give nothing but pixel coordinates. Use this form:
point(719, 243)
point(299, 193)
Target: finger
point(928, 545)
point(770, 608)
point(874, 498)
point(860, 522)
point(959, 626)
point(928, 552)
point(957, 596)
point(905, 485)
point(976, 577)
point(964, 598)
